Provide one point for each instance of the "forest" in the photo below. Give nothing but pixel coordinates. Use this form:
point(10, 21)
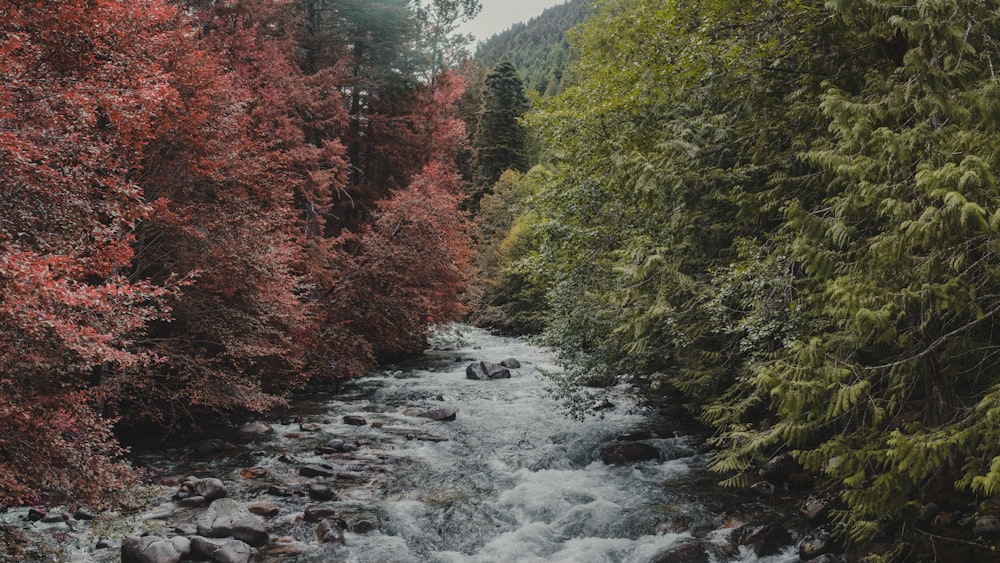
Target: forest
point(208, 206)
point(783, 214)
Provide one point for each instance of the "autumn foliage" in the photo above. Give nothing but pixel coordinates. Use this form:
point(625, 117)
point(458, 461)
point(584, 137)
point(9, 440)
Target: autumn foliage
point(181, 236)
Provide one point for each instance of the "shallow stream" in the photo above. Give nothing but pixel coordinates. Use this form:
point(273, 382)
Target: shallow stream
point(511, 479)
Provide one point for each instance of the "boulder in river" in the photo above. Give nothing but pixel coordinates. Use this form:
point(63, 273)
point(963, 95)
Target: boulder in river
point(355, 420)
point(317, 470)
point(484, 370)
point(329, 530)
point(320, 510)
point(256, 428)
point(442, 414)
point(226, 550)
point(690, 552)
point(321, 492)
point(779, 468)
point(628, 452)
point(764, 539)
point(511, 363)
point(228, 518)
point(149, 549)
point(818, 542)
point(211, 489)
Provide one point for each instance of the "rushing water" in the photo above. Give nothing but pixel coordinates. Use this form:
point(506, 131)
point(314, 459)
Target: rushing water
point(518, 481)
point(510, 480)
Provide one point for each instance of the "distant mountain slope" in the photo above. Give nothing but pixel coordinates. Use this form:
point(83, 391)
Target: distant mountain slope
point(538, 47)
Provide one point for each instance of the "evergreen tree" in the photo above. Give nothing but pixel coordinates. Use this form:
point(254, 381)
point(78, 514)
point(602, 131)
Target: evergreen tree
point(501, 141)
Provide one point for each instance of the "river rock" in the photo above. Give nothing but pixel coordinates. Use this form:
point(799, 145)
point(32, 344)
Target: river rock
point(321, 492)
point(182, 545)
point(816, 543)
point(442, 414)
point(354, 420)
point(83, 514)
point(149, 549)
point(779, 468)
point(265, 509)
point(483, 371)
point(987, 526)
point(319, 511)
point(225, 550)
point(361, 522)
point(228, 518)
point(211, 489)
point(256, 428)
point(628, 452)
point(329, 530)
point(817, 509)
point(335, 447)
point(310, 427)
point(36, 514)
point(317, 470)
point(511, 363)
point(254, 473)
point(685, 553)
point(764, 539)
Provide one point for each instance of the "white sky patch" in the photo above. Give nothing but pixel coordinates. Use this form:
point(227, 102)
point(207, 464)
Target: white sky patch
point(499, 15)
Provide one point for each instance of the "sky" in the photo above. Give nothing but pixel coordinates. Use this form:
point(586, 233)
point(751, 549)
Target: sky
point(498, 15)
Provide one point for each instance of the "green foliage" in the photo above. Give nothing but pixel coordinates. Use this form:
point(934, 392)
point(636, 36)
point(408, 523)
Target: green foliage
point(789, 212)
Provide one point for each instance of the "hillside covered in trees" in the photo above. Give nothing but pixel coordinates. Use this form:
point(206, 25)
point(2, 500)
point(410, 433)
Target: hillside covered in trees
point(538, 48)
point(787, 216)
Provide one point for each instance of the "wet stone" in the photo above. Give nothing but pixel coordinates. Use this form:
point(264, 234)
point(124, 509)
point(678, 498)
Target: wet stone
point(289, 458)
point(211, 489)
point(319, 511)
point(685, 553)
point(335, 447)
point(329, 530)
point(362, 523)
point(816, 543)
point(321, 492)
point(149, 549)
point(36, 514)
point(443, 414)
point(83, 514)
point(266, 509)
point(354, 420)
point(764, 539)
point(257, 427)
point(253, 473)
point(317, 470)
point(511, 363)
point(228, 518)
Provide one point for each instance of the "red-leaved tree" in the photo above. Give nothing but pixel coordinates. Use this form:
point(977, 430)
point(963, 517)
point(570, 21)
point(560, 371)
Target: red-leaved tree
point(81, 90)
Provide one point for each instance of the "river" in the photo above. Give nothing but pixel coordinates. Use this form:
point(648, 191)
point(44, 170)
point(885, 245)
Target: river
point(511, 479)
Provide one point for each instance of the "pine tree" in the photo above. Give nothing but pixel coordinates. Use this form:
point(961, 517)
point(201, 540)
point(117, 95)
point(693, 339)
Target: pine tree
point(501, 141)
